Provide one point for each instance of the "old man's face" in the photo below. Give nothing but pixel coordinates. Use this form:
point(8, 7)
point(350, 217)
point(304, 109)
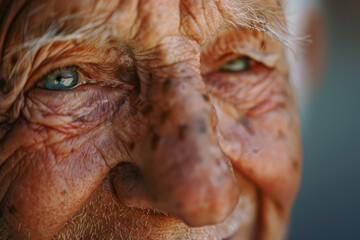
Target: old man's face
point(156, 119)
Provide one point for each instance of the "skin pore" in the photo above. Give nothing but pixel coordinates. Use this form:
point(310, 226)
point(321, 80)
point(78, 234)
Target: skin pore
point(155, 141)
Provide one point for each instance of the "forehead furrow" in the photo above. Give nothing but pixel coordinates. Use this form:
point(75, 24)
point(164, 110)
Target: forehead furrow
point(144, 22)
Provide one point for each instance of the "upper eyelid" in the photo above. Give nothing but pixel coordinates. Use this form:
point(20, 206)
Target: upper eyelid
point(239, 43)
point(224, 59)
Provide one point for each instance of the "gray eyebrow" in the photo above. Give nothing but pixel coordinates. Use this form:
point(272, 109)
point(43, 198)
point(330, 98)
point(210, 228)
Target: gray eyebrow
point(251, 14)
point(96, 27)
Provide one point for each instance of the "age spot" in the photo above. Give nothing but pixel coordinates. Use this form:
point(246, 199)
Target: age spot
point(281, 134)
point(12, 209)
point(154, 141)
point(147, 110)
point(131, 146)
point(295, 164)
point(166, 85)
point(181, 131)
point(164, 115)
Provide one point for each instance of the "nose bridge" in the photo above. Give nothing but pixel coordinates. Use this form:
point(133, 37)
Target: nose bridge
point(184, 170)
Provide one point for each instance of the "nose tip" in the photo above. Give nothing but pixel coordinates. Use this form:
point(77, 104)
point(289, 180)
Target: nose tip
point(189, 177)
point(207, 201)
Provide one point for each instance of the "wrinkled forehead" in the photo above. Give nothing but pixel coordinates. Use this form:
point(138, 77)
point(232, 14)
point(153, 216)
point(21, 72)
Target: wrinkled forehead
point(144, 22)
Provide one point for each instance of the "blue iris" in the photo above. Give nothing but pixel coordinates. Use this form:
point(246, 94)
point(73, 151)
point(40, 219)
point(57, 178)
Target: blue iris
point(61, 79)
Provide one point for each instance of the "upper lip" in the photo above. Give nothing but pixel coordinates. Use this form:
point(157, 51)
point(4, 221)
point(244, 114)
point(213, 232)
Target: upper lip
point(224, 230)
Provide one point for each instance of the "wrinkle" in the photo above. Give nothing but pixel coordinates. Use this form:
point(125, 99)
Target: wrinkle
point(15, 11)
point(10, 169)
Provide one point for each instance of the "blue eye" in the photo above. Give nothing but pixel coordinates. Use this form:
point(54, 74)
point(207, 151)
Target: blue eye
point(239, 64)
point(61, 79)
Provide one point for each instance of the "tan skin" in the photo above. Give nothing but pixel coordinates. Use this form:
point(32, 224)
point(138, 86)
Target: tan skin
point(155, 142)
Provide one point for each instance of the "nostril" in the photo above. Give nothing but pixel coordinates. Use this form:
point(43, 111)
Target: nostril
point(126, 171)
point(129, 185)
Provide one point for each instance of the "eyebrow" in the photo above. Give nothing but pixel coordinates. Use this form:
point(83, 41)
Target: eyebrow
point(267, 18)
point(248, 14)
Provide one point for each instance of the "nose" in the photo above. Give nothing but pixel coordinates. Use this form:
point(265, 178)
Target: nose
point(180, 167)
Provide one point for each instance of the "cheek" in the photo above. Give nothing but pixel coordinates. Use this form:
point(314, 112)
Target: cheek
point(265, 147)
point(50, 188)
point(56, 163)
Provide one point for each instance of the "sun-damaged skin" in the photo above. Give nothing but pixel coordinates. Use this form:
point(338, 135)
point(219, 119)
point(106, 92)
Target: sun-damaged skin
point(157, 143)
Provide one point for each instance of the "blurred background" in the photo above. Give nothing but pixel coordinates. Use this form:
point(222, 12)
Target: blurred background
point(328, 204)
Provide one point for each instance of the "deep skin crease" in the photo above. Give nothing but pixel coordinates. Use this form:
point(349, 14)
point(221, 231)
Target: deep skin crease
point(158, 143)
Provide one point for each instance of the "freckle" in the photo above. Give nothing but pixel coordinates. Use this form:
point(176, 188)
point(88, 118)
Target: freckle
point(150, 77)
point(166, 85)
point(255, 151)
point(205, 97)
point(295, 164)
point(181, 131)
point(164, 115)
point(154, 141)
point(63, 192)
point(72, 150)
point(12, 209)
point(201, 126)
point(131, 146)
point(147, 110)
point(281, 134)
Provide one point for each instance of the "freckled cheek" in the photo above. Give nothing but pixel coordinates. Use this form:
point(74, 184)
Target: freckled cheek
point(267, 149)
point(52, 187)
point(260, 134)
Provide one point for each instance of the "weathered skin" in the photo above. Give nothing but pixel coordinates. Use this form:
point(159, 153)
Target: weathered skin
point(158, 144)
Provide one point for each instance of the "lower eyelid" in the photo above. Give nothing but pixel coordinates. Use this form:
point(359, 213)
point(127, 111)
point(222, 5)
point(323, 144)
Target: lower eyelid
point(241, 87)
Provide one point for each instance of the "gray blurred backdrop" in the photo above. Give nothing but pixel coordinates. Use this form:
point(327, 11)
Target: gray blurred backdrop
point(328, 205)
